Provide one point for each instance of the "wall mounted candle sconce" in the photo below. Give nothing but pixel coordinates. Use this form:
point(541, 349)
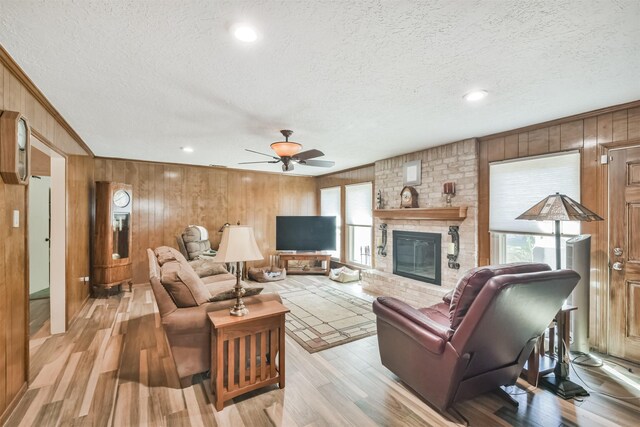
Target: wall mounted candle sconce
point(382, 248)
point(454, 247)
point(449, 190)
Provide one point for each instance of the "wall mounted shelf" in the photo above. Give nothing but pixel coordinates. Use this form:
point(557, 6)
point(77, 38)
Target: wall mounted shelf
point(457, 213)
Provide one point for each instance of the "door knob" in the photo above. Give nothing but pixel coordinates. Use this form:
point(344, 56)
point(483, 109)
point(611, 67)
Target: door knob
point(617, 266)
point(617, 251)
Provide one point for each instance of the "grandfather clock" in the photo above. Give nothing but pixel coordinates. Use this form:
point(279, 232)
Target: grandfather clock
point(112, 236)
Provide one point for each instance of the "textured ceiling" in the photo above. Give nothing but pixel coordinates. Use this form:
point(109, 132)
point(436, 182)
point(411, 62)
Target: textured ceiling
point(360, 80)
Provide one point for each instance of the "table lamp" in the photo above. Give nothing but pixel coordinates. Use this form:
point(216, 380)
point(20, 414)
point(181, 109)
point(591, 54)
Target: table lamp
point(238, 244)
point(559, 207)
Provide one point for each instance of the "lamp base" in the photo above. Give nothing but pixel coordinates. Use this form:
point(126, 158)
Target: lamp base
point(239, 311)
point(563, 387)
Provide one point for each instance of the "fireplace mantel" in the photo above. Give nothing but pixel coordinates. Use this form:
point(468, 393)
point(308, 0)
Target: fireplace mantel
point(457, 213)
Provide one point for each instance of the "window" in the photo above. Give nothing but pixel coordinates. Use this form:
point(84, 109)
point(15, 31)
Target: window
point(515, 186)
point(330, 206)
point(359, 221)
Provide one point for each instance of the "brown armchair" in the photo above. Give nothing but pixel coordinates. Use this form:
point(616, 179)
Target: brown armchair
point(480, 341)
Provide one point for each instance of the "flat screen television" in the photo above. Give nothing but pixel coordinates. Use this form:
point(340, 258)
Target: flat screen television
point(306, 233)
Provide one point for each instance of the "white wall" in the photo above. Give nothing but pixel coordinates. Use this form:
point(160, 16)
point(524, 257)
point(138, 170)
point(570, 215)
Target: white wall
point(39, 231)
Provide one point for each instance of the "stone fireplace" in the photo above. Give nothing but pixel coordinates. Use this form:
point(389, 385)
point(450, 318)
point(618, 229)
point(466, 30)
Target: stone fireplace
point(456, 162)
point(416, 255)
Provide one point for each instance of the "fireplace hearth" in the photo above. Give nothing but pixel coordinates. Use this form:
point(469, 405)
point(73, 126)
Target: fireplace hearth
point(417, 256)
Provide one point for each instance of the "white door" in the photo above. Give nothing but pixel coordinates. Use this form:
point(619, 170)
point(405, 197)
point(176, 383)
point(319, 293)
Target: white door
point(39, 199)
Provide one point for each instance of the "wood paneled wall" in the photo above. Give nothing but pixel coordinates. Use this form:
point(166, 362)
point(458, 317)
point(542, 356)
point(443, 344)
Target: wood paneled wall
point(168, 197)
point(589, 133)
point(15, 95)
point(80, 195)
point(14, 287)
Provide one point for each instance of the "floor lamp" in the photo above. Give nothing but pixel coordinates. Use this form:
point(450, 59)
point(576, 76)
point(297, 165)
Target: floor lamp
point(559, 207)
point(238, 245)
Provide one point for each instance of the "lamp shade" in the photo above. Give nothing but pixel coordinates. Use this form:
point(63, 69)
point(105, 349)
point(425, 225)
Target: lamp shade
point(559, 207)
point(238, 244)
point(286, 148)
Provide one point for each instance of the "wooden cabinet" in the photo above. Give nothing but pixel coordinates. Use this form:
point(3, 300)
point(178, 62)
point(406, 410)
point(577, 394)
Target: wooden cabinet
point(112, 236)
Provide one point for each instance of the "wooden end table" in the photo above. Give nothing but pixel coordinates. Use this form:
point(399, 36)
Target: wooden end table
point(541, 363)
point(244, 349)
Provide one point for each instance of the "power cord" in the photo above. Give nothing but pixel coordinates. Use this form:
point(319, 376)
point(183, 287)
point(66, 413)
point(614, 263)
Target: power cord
point(587, 365)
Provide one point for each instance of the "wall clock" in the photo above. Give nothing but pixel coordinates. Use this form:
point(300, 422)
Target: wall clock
point(408, 197)
point(121, 198)
point(15, 148)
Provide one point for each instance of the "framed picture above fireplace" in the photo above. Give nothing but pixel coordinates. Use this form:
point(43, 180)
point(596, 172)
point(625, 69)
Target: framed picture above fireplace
point(412, 173)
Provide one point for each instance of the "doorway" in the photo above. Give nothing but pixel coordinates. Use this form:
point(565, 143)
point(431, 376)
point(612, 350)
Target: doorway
point(39, 239)
point(624, 253)
point(57, 231)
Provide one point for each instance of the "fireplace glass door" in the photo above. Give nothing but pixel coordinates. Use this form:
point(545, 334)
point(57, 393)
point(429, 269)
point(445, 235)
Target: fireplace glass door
point(417, 255)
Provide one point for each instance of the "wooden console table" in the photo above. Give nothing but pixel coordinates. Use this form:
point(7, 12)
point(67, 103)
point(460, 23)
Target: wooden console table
point(312, 256)
point(256, 339)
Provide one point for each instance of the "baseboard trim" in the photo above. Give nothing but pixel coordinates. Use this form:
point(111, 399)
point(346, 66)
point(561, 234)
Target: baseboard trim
point(7, 412)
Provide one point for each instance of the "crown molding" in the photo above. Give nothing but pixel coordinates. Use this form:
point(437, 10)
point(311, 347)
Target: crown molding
point(22, 77)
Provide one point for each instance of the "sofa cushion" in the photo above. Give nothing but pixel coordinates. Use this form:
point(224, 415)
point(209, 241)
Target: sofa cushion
point(205, 267)
point(438, 313)
point(183, 284)
point(167, 254)
point(472, 282)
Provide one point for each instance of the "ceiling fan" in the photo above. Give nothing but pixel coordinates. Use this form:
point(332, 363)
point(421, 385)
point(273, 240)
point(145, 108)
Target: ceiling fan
point(288, 152)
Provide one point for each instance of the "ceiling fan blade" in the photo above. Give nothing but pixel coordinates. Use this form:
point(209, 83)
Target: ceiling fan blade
point(266, 161)
point(309, 154)
point(319, 163)
point(262, 154)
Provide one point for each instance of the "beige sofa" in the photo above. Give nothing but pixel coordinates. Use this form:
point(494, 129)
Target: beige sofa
point(187, 327)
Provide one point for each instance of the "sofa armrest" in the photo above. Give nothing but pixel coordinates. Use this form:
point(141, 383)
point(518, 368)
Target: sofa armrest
point(431, 335)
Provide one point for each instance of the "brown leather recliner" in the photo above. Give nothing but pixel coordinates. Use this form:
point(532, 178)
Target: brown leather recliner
point(480, 341)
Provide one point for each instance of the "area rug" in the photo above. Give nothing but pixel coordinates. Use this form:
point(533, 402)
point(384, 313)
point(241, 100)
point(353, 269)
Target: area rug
point(322, 317)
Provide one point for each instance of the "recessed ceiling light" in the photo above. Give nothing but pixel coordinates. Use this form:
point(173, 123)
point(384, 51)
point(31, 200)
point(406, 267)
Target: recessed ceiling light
point(475, 95)
point(187, 149)
point(244, 32)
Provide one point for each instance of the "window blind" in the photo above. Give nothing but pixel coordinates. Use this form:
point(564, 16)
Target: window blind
point(517, 185)
point(358, 204)
point(330, 202)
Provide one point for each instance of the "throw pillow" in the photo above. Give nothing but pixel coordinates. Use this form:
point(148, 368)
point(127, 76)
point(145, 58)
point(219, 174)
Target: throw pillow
point(230, 294)
point(206, 267)
point(182, 283)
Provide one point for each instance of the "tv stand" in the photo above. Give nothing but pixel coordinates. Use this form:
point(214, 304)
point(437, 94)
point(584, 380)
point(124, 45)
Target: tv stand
point(306, 256)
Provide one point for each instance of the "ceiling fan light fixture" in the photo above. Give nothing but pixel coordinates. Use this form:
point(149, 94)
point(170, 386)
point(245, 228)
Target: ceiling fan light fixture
point(286, 148)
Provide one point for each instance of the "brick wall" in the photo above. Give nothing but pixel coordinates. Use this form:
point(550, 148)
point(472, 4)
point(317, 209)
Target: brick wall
point(456, 162)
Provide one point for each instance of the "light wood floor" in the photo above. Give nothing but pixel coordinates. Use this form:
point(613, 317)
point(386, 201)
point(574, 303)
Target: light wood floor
point(113, 368)
point(39, 317)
